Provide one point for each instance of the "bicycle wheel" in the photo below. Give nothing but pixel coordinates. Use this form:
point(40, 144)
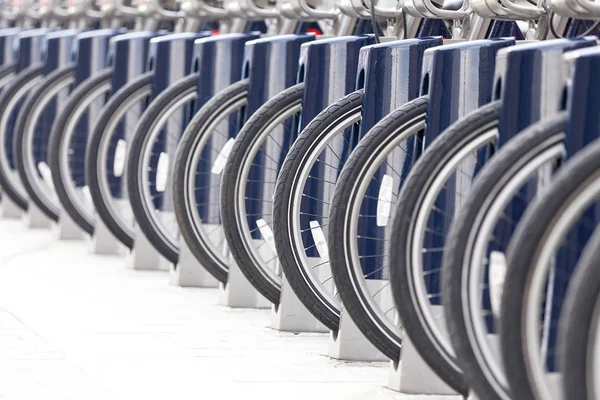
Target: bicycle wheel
point(31, 141)
point(10, 102)
point(301, 204)
point(150, 162)
point(199, 162)
point(248, 185)
point(542, 255)
point(478, 237)
point(431, 194)
point(359, 215)
point(579, 328)
point(106, 161)
point(68, 147)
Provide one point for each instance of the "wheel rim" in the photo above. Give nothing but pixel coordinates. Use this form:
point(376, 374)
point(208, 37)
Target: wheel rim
point(202, 166)
point(258, 240)
point(368, 255)
point(157, 196)
point(544, 269)
point(320, 193)
point(423, 230)
point(7, 138)
point(480, 239)
point(35, 152)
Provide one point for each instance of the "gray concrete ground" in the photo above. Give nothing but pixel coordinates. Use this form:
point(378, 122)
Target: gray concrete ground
point(80, 326)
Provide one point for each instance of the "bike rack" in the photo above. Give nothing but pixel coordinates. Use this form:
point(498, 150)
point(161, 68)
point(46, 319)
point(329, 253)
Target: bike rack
point(447, 103)
point(168, 49)
point(165, 60)
point(57, 54)
point(127, 56)
point(9, 47)
point(387, 72)
point(269, 70)
point(89, 56)
point(522, 72)
point(218, 60)
point(583, 94)
point(118, 58)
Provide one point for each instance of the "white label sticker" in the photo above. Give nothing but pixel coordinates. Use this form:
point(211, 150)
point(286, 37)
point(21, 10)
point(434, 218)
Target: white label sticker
point(319, 238)
point(384, 200)
point(221, 160)
point(46, 174)
point(267, 233)
point(120, 158)
point(162, 172)
point(497, 277)
point(87, 196)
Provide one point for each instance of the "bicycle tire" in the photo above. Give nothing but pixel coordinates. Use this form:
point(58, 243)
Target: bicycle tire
point(579, 174)
point(139, 85)
point(9, 99)
point(580, 308)
point(490, 180)
point(449, 145)
point(380, 141)
point(248, 135)
point(296, 272)
point(149, 119)
point(75, 101)
point(25, 121)
point(192, 138)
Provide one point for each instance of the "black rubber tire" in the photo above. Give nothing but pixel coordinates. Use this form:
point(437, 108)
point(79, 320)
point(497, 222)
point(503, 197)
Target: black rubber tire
point(417, 184)
point(135, 169)
point(500, 167)
point(295, 273)
point(34, 72)
point(376, 142)
point(56, 141)
point(529, 236)
point(580, 308)
point(5, 71)
point(193, 134)
point(112, 105)
point(19, 148)
point(229, 192)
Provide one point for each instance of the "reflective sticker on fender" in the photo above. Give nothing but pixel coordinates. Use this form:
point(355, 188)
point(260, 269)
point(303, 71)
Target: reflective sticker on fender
point(162, 172)
point(384, 200)
point(46, 174)
point(87, 196)
point(221, 160)
point(319, 238)
point(267, 233)
point(497, 277)
point(120, 158)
